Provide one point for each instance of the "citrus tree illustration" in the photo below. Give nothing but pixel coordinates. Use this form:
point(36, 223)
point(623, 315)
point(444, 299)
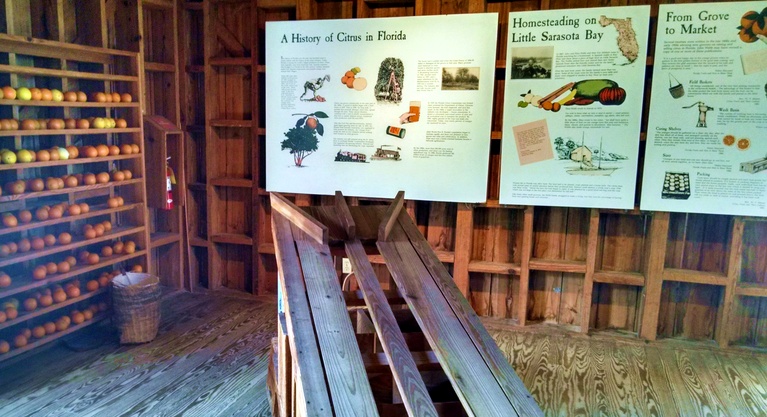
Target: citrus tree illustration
point(302, 139)
point(391, 75)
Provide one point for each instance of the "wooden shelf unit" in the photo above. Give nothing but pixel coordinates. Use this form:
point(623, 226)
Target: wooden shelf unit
point(159, 49)
point(52, 64)
point(217, 43)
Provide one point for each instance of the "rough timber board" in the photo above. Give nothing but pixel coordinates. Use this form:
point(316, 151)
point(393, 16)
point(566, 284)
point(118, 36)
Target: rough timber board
point(456, 354)
point(411, 387)
point(347, 380)
point(299, 323)
point(509, 382)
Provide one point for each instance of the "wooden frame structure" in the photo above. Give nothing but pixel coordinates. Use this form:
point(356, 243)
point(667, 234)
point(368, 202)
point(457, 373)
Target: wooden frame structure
point(321, 368)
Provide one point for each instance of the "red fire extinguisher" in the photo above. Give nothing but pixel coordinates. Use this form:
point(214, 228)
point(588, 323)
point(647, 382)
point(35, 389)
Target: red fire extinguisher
point(170, 180)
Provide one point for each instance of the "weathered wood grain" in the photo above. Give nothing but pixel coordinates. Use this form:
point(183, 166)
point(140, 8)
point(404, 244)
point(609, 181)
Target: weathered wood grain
point(390, 217)
point(299, 319)
point(510, 383)
point(404, 371)
point(574, 364)
point(308, 224)
point(455, 353)
point(350, 391)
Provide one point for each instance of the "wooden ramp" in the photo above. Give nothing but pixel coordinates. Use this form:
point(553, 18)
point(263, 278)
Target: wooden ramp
point(417, 349)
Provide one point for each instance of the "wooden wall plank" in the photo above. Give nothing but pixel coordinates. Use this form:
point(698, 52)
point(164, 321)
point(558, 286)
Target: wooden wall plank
point(653, 269)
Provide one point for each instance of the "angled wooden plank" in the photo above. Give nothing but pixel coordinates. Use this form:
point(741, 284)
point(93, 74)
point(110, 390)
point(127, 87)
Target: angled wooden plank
point(390, 217)
point(228, 40)
point(447, 337)
point(502, 371)
point(345, 216)
point(350, 390)
point(308, 224)
point(299, 321)
point(404, 371)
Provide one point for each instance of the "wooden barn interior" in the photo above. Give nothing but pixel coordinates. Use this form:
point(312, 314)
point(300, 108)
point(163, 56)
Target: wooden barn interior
point(598, 311)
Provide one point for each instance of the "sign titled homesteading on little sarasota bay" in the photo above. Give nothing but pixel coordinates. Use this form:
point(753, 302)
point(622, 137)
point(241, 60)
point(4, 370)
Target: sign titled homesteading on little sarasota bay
point(573, 106)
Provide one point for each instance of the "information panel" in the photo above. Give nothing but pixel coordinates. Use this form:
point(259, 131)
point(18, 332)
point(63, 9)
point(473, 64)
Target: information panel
point(707, 132)
point(573, 106)
point(373, 106)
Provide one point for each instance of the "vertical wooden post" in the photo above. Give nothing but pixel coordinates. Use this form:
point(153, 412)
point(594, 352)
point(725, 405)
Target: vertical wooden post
point(477, 6)
point(464, 225)
point(724, 315)
point(591, 261)
point(215, 270)
point(524, 273)
point(653, 271)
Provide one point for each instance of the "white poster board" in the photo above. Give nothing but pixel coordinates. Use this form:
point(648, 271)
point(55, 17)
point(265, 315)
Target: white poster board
point(373, 106)
point(573, 106)
point(707, 131)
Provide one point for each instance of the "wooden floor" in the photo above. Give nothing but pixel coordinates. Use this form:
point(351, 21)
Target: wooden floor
point(210, 359)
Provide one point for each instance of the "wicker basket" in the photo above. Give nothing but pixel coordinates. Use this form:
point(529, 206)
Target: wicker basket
point(136, 299)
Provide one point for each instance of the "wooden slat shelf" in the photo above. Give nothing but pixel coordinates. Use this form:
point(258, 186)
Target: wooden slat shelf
point(488, 267)
point(232, 238)
point(158, 239)
point(159, 67)
point(276, 4)
point(78, 269)
point(633, 212)
point(377, 362)
point(38, 194)
point(196, 186)
point(261, 131)
point(445, 256)
point(261, 69)
point(694, 277)
point(496, 135)
point(76, 243)
point(199, 242)
point(192, 5)
point(620, 278)
point(231, 123)
point(195, 69)
point(230, 62)
point(52, 49)
point(76, 161)
point(195, 128)
point(751, 290)
point(497, 204)
point(11, 133)
point(24, 316)
point(232, 182)
point(94, 211)
point(68, 103)
point(356, 298)
point(53, 337)
point(157, 4)
point(558, 265)
point(266, 249)
point(44, 72)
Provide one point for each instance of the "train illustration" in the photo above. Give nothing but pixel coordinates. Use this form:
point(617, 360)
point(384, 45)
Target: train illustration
point(346, 156)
